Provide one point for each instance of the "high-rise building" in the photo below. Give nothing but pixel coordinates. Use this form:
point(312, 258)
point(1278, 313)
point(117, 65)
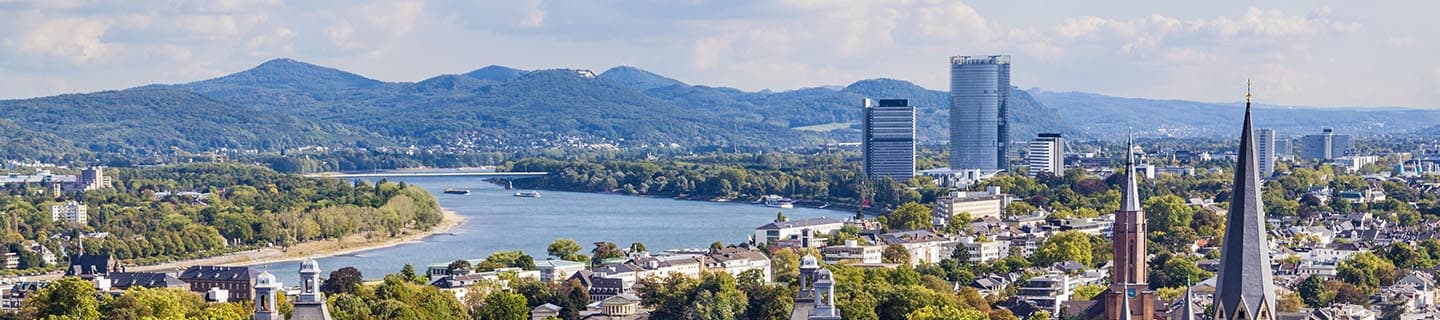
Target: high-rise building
point(1265, 151)
point(1046, 154)
point(979, 109)
point(1284, 149)
point(889, 139)
point(1325, 146)
point(1245, 286)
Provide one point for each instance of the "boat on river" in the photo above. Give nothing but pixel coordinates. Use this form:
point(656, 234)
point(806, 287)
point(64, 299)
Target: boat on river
point(527, 194)
point(456, 191)
point(775, 201)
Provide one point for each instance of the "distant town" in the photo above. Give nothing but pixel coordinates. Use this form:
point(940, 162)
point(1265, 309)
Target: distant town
point(1324, 225)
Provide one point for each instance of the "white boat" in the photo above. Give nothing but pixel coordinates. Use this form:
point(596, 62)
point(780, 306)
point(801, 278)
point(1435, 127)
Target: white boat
point(775, 201)
point(527, 194)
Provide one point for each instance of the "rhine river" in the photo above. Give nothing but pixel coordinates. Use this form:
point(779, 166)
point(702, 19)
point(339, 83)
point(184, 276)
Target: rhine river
point(497, 221)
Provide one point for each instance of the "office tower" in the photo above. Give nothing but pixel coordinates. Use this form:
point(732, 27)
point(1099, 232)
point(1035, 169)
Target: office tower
point(1325, 146)
point(1046, 154)
point(1128, 276)
point(1245, 286)
point(1284, 149)
point(889, 139)
point(979, 108)
point(1265, 151)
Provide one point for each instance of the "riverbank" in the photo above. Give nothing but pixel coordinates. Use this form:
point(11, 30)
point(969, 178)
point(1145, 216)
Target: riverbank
point(311, 249)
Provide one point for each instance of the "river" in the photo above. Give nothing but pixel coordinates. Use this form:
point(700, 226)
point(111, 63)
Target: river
point(499, 221)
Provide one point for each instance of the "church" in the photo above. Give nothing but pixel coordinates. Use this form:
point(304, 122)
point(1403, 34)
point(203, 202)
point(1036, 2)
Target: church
point(1245, 288)
point(309, 304)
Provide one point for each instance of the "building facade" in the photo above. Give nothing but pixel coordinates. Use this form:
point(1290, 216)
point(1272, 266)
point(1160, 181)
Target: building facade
point(70, 211)
point(1265, 151)
point(1325, 146)
point(852, 252)
point(888, 140)
point(979, 204)
point(238, 281)
point(92, 178)
point(979, 110)
point(1046, 154)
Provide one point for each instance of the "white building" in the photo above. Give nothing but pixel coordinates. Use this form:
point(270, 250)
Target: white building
point(989, 203)
point(985, 251)
point(776, 231)
point(736, 261)
point(1046, 154)
point(557, 270)
point(70, 211)
point(852, 252)
point(924, 246)
point(1265, 152)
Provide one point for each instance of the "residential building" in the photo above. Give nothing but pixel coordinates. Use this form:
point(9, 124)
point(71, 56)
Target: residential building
point(888, 139)
point(738, 260)
point(1325, 146)
point(1265, 152)
point(239, 281)
point(70, 212)
point(1051, 290)
point(985, 250)
point(852, 252)
point(545, 311)
point(557, 270)
point(1352, 164)
point(1046, 154)
point(1245, 284)
point(92, 178)
point(786, 230)
point(979, 112)
point(924, 246)
point(1284, 149)
point(988, 203)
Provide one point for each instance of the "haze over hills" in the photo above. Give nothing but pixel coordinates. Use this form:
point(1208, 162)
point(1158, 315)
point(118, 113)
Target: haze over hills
point(288, 103)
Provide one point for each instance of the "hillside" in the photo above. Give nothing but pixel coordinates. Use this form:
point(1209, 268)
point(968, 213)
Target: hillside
point(288, 103)
point(1178, 118)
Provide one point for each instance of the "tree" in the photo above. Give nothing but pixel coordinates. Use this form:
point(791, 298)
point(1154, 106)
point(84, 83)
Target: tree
point(896, 253)
point(564, 249)
point(1065, 246)
point(636, 247)
point(1366, 270)
point(718, 298)
point(461, 264)
point(343, 280)
point(715, 246)
point(159, 303)
point(1087, 291)
point(909, 216)
point(1289, 302)
point(408, 273)
point(1165, 213)
point(504, 305)
point(780, 216)
point(605, 250)
point(946, 313)
point(67, 298)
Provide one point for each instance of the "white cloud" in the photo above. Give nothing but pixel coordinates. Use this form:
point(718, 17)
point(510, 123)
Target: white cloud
point(393, 16)
point(71, 40)
point(710, 53)
point(534, 15)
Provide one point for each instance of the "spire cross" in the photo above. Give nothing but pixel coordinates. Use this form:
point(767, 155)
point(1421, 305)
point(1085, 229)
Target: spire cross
point(1247, 90)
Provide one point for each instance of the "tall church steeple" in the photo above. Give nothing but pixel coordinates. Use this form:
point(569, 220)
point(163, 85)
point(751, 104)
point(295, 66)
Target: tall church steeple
point(1129, 296)
point(1129, 229)
point(1245, 287)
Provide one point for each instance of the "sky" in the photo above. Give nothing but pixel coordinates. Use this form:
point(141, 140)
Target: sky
point(1299, 52)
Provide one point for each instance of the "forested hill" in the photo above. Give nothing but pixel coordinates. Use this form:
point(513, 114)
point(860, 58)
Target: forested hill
point(285, 103)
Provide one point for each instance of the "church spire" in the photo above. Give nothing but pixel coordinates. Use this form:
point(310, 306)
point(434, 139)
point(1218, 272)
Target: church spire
point(1125, 313)
point(1188, 310)
point(1245, 287)
point(1130, 199)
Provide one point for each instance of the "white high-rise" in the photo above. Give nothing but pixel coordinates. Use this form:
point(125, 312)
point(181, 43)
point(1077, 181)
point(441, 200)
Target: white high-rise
point(1265, 152)
point(1046, 154)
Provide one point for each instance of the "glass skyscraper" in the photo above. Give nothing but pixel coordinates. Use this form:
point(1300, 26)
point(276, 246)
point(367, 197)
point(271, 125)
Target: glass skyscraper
point(979, 108)
point(889, 139)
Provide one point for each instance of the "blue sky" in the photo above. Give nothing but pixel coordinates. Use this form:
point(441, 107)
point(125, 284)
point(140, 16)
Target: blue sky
point(1325, 53)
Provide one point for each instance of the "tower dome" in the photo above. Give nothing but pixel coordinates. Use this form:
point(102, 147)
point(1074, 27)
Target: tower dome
point(265, 279)
point(309, 265)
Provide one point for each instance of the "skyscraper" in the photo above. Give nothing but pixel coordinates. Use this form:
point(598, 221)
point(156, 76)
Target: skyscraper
point(979, 109)
point(889, 139)
point(1046, 154)
point(1325, 146)
point(1265, 151)
point(1245, 287)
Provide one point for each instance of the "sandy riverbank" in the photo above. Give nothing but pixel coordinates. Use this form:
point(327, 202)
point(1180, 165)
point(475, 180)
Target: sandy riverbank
point(312, 249)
